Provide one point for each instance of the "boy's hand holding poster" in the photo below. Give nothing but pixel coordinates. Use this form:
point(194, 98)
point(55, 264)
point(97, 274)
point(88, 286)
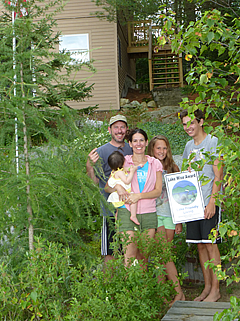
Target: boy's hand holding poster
point(185, 196)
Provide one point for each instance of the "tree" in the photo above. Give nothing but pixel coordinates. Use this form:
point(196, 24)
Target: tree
point(216, 83)
point(36, 84)
point(185, 10)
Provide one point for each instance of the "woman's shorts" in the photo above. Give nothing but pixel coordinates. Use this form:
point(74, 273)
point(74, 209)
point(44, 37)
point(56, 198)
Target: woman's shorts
point(199, 231)
point(147, 221)
point(166, 221)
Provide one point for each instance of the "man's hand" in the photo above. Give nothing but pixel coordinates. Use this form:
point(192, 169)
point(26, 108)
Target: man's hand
point(92, 159)
point(210, 210)
point(93, 156)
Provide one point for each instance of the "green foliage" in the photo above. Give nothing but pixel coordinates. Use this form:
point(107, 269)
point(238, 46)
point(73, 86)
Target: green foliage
point(41, 288)
point(48, 192)
point(46, 286)
point(104, 296)
point(174, 132)
point(125, 10)
point(92, 137)
point(229, 314)
point(217, 84)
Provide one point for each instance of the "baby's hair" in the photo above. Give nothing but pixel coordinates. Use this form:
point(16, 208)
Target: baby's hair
point(168, 163)
point(116, 160)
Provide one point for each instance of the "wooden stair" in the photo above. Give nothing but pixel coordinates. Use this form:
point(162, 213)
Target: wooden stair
point(166, 69)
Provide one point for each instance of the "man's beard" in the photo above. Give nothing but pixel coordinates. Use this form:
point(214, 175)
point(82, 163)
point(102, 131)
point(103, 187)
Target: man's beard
point(117, 140)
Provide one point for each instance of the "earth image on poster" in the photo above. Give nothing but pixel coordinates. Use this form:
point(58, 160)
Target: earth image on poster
point(184, 192)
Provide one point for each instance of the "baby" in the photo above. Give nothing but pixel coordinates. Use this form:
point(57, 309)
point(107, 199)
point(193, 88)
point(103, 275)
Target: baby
point(122, 176)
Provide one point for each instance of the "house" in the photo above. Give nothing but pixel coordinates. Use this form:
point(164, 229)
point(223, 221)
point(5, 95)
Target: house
point(107, 45)
point(114, 47)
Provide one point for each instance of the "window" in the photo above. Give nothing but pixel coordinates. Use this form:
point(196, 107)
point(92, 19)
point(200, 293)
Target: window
point(78, 45)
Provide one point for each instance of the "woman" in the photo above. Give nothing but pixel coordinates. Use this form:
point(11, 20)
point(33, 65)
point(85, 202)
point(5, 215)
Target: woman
point(146, 187)
point(159, 147)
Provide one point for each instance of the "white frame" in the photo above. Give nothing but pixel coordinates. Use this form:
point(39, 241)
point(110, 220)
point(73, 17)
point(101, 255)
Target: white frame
point(186, 212)
point(79, 49)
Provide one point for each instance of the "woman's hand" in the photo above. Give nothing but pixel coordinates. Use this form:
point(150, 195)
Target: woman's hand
point(133, 198)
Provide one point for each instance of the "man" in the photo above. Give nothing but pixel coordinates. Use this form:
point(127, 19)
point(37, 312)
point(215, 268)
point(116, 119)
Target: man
point(198, 231)
point(117, 128)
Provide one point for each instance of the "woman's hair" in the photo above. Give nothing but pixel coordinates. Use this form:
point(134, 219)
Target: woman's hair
point(168, 162)
point(130, 133)
point(116, 160)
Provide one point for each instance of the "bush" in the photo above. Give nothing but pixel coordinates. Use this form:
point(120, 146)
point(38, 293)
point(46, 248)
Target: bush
point(47, 287)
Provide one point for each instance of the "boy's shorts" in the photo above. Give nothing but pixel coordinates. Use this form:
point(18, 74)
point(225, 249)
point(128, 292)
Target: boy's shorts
point(199, 231)
point(147, 221)
point(166, 221)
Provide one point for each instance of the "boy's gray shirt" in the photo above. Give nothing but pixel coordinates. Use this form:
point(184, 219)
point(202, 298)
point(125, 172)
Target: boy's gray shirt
point(103, 170)
point(209, 144)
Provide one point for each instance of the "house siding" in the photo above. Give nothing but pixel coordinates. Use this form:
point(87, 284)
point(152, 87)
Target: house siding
point(76, 19)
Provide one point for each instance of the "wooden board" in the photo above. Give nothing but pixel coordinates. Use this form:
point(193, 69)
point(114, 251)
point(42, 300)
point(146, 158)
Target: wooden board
point(194, 311)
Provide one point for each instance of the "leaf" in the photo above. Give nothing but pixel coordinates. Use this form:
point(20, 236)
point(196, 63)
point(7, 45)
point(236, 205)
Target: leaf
point(210, 22)
point(203, 79)
point(236, 81)
point(223, 82)
point(209, 75)
point(188, 57)
point(161, 40)
point(210, 36)
point(33, 296)
point(205, 182)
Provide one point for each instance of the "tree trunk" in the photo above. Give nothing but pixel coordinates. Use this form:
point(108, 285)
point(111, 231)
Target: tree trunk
point(27, 166)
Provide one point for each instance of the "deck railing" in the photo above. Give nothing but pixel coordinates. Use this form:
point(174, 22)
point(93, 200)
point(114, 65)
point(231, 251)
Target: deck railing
point(139, 33)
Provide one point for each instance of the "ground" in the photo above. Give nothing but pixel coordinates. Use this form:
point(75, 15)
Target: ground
point(193, 290)
point(133, 94)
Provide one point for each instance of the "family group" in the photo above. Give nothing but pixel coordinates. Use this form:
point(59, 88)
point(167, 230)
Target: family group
point(132, 179)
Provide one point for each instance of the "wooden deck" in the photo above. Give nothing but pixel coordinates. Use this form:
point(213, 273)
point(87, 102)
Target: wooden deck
point(194, 311)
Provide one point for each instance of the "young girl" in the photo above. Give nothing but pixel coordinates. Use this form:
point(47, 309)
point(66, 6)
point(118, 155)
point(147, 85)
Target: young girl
point(159, 147)
point(122, 176)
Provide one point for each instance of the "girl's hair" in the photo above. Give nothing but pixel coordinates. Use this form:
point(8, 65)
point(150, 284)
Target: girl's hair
point(116, 160)
point(168, 162)
point(130, 133)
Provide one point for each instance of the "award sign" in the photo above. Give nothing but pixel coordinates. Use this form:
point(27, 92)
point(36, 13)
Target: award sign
point(185, 196)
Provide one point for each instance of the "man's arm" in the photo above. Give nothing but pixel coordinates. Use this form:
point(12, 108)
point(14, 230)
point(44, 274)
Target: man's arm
point(210, 208)
point(92, 159)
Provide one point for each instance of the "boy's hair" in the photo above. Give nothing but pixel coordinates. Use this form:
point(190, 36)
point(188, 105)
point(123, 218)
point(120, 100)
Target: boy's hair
point(116, 160)
point(199, 114)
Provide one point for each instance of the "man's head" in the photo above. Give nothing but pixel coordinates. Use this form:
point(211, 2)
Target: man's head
point(117, 128)
point(195, 126)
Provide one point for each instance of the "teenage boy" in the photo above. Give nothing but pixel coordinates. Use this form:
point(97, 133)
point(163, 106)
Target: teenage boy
point(199, 231)
point(117, 128)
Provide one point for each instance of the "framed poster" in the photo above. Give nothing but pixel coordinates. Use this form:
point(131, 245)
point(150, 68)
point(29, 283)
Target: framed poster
point(185, 196)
